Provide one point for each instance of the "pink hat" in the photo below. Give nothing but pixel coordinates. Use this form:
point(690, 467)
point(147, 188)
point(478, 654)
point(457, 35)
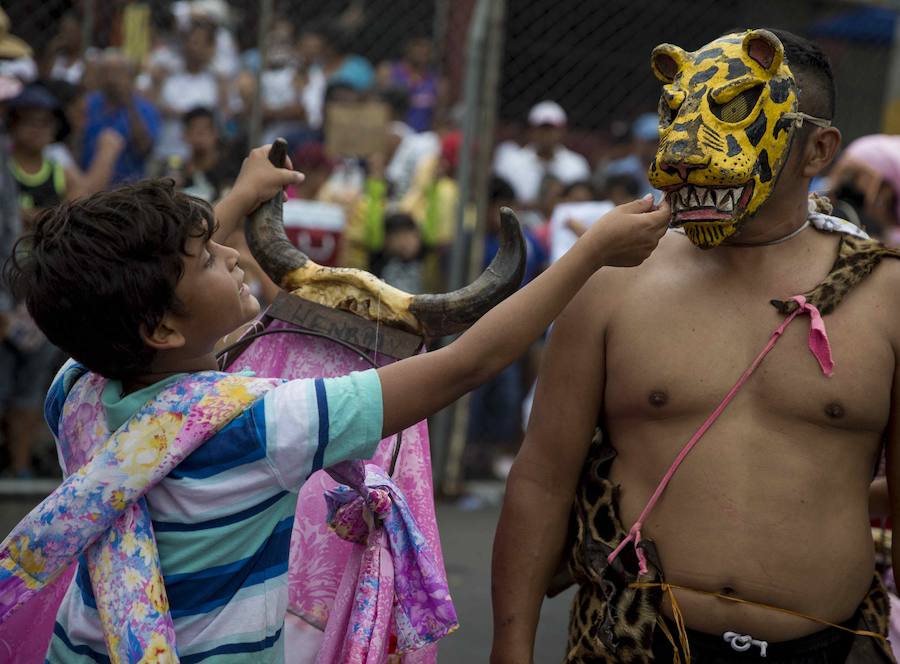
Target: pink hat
point(9, 87)
point(880, 152)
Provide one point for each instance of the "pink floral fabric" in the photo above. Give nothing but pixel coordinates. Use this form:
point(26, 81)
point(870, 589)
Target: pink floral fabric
point(99, 508)
point(319, 557)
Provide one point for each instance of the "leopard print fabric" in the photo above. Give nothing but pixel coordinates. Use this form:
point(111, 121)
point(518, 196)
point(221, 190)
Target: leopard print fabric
point(856, 259)
point(609, 621)
point(613, 624)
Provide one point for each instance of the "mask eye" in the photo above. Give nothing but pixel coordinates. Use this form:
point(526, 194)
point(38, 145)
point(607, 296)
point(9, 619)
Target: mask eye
point(737, 108)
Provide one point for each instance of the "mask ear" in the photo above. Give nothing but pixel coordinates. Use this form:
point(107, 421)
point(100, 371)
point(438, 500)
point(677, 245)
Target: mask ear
point(764, 49)
point(666, 61)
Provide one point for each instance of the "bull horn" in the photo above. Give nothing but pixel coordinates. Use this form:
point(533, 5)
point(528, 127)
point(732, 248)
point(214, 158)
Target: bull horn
point(453, 312)
point(358, 291)
point(265, 230)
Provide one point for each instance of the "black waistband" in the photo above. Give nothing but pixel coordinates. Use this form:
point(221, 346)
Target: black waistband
point(827, 645)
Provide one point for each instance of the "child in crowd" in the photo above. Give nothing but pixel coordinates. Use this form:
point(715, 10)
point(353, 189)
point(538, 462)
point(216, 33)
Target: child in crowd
point(495, 423)
point(35, 121)
point(399, 263)
point(27, 359)
point(134, 284)
point(206, 174)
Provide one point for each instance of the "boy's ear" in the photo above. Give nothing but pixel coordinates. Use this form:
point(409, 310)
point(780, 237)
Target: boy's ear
point(165, 336)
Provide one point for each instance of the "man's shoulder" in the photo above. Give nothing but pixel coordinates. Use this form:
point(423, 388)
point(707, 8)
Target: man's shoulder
point(572, 158)
point(667, 259)
point(884, 281)
point(511, 154)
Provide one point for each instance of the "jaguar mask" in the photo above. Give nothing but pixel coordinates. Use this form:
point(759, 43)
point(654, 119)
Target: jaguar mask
point(726, 118)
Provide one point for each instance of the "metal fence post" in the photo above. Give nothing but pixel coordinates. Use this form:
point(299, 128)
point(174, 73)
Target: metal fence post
point(87, 25)
point(262, 28)
point(475, 58)
point(483, 160)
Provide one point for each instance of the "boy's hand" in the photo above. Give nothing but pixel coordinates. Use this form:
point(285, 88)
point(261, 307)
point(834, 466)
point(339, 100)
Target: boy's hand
point(626, 235)
point(259, 180)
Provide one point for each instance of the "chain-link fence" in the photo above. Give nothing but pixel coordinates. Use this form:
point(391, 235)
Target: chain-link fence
point(593, 57)
point(590, 57)
point(484, 65)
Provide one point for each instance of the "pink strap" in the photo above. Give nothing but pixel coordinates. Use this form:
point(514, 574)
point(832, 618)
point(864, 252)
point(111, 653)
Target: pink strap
point(821, 350)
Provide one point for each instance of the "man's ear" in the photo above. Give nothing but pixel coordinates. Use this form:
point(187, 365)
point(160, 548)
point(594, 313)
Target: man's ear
point(165, 336)
point(821, 149)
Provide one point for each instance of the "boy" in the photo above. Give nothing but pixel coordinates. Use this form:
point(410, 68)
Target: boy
point(159, 293)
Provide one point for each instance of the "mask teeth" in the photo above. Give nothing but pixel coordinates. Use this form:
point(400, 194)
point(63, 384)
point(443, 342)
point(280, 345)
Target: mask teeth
point(693, 198)
point(682, 195)
point(708, 197)
point(724, 201)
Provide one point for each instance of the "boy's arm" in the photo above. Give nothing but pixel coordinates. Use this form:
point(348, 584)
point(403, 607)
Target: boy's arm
point(419, 386)
point(257, 182)
point(531, 534)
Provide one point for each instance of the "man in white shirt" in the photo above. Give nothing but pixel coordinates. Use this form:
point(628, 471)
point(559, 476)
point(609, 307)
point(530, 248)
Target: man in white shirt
point(525, 167)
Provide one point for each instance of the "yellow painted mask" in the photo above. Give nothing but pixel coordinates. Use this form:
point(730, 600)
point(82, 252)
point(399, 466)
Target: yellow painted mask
point(726, 117)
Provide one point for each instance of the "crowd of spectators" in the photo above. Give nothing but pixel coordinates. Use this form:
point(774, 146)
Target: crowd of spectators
point(379, 142)
point(181, 103)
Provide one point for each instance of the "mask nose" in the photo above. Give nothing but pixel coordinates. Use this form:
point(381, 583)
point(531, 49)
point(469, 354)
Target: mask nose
point(682, 157)
point(682, 168)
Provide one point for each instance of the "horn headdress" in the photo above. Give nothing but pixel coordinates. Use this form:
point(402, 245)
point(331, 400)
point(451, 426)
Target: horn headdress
point(364, 294)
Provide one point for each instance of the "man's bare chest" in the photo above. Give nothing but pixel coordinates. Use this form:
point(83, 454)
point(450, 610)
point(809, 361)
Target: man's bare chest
point(678, 352)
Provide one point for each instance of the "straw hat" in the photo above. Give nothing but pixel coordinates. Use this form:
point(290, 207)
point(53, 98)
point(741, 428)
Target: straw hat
point(11, 47)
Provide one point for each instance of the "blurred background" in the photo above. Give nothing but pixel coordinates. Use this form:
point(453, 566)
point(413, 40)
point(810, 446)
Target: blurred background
point(414, 121)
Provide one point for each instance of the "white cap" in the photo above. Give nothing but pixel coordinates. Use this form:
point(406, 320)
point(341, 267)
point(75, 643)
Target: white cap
point(547, 113)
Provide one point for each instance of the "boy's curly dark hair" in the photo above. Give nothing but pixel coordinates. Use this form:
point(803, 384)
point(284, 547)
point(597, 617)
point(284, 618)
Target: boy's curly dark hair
point(98, 270)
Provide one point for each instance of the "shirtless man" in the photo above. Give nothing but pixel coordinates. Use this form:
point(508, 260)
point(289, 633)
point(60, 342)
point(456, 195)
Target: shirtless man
point(772, 504)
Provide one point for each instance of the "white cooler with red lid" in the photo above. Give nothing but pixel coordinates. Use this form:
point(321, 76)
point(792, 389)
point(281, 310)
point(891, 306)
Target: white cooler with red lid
point(315, 228)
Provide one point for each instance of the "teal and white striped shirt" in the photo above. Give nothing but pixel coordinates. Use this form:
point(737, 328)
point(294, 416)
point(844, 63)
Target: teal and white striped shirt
point(223, 517)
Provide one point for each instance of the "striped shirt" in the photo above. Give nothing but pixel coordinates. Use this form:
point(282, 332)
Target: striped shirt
point(223, 520)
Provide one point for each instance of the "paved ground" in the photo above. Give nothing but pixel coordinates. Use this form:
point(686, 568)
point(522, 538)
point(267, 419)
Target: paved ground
point(467, 535)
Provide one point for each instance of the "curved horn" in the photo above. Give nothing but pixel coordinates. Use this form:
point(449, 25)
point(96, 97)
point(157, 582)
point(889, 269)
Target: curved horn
point(432, 315)
point(265, 230)
point(453, 312)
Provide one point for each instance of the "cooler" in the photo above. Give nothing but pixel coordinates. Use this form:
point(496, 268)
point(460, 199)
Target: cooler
point(315, 228)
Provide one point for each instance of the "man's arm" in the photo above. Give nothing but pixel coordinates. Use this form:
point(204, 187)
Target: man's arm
point(879, 499)
point(419, 386)
point(142, 136)
point(893, 461)
point(100, 171)
point(528, 545)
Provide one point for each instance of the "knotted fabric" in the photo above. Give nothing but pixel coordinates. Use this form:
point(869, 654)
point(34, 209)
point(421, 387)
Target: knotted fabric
point(392, 584)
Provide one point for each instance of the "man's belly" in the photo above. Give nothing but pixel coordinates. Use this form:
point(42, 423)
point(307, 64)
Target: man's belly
point(776, 517)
